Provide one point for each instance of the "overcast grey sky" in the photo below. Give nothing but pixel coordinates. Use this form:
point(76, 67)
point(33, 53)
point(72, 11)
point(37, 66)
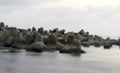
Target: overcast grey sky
point(100, 17)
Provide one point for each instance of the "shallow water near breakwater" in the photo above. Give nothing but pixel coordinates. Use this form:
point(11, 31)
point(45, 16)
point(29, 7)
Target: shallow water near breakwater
point(97, 60)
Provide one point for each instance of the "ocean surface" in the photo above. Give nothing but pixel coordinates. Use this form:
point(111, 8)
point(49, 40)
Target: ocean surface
point(96, 60)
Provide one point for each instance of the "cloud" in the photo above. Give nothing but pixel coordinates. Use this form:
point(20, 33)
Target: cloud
point(22, 2)
point(103, 20)
point(86, 3)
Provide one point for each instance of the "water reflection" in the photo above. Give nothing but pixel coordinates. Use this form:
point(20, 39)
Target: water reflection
point(76, 54)
point(32, 54)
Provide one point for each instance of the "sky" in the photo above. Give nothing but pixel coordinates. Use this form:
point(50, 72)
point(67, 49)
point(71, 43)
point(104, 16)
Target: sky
point(101, 17)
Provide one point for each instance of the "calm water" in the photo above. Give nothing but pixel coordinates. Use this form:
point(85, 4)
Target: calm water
point(97, 60)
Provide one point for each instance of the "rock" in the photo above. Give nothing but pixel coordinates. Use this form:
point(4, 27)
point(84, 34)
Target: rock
point(87, 34)
point(19, 41)
point(96, 37)
point(2, 26)
point(82, 32)
point(62, 31)
point(71, 49)
point(107, 45)
point(61, 40)
point(72, 45)
point(34, 33)
point(78, 36)
point(25, 33)
point(38, 44)
point(29, 39)
point(86, 39)
point(36, 47)
point(82, 51)
point(118, 42)
point(85, 44)
point(77, 43)
point(29, 30)
point(51, 42)
point(59, 46)
point(1, 36)
point(5, 35)
point(46, 32)
point(6, 26)
point(97, 43)
point(55, 30)
point(70, 39)
point(65, 37)
point(114, 42)
point(108, 38)
point(41, 30)
point(33, 29)
point(13, 31)
point(67, 49)
point(91, 37)
point(50, 31)
point(38, 37)
point(91, 42)
point(9, 42)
